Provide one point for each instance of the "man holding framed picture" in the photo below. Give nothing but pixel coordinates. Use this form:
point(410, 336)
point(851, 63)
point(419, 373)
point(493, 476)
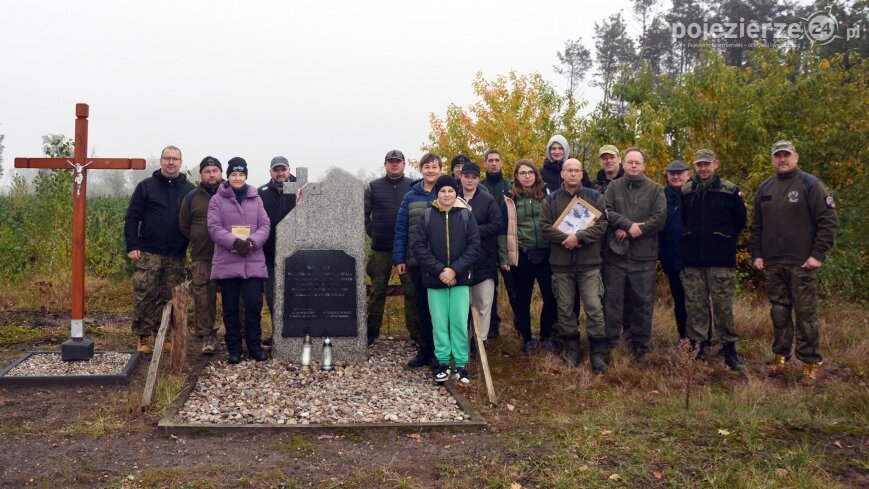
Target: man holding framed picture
point(571, 219)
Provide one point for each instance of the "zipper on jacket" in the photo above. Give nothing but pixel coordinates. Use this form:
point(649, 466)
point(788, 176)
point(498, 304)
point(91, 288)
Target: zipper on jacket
point(447, 220)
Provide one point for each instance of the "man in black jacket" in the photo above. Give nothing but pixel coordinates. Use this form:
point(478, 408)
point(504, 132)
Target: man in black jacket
point(155, 243)
point(382, 199)
point(487, 214)
point(277, 205)
point(497, 185)
point(193, 220)
point(714, 215)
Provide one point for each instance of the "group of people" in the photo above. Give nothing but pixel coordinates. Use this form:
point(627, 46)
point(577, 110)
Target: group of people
point(453, 237)
point(227, 224)
point(449, 236)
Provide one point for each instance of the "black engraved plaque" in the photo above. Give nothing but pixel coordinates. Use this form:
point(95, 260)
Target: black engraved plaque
point(319, 294)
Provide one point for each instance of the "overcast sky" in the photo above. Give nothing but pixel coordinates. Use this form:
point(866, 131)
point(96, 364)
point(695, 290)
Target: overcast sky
point(322, 83)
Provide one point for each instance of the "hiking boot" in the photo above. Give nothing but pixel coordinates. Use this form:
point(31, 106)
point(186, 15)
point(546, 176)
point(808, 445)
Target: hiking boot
point(420, 360)
point(209, 345)
point(372, 338)
point(731, 357)
point(260, 356)
point(811, 372)
point(443, 373)
point(777, 366)
point(639, 352)
point(530, 346)
point(267, 343)
point(234, 358)
point(142, 345)
point(598, 349)
point(549, 345)
point(462, 376)
point(574, 352)
point(702, 351)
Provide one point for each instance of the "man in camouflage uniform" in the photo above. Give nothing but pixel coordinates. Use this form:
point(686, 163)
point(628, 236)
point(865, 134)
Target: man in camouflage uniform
point(155, 243)
point(193, 221)
point(713, 214)
point(792, 229)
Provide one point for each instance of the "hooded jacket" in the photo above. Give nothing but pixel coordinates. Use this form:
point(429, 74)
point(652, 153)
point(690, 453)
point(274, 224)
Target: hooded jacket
point(151, 222)
point(413, 206)
point(634, 200)
point(193, 221)
point(449, 240)
point(601, 182)
point(587, 256)
point(551, 171)
point(277, 205)
point(224, 211)
point(487, 214)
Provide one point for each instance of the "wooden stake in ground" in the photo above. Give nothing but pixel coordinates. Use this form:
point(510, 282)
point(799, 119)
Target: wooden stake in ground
point(481, 352)
point(180, 298)
point(154, 368)
point(80, 164)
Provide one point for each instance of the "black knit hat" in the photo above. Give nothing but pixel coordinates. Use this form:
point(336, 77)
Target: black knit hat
point(209, 161)
point(445, 181)
point(459, 160)
point(236, 164)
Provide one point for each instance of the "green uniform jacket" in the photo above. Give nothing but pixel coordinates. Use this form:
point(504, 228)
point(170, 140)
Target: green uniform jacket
point(193, 221)
point(523, 215)
point(794, 218)
point(630, 201)
point(587, 256)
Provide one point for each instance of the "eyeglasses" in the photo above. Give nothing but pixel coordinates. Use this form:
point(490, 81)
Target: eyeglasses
point(525, 173)
point(572, 171)
point(170, 158)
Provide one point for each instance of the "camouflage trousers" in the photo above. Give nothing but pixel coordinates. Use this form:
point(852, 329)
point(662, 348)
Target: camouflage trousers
point(153, 281)
point(702, 286)
point(204, 292)
point(590, 287)
point(379, 269)
point(794, 289)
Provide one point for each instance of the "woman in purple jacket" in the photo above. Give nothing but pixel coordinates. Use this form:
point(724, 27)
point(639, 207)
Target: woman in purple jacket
point(239, 226)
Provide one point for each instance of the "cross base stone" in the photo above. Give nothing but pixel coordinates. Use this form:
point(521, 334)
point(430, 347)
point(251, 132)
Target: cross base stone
point(75, 349)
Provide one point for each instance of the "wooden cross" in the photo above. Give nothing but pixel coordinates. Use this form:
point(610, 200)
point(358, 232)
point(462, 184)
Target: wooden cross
point(80, 165)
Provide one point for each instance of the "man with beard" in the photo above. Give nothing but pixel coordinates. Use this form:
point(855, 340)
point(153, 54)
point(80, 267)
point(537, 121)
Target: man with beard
point(383, 197)
point(193, 221)
point(277, 205)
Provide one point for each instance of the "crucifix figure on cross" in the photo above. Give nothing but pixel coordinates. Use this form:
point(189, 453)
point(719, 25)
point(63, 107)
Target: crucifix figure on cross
point(78, 347)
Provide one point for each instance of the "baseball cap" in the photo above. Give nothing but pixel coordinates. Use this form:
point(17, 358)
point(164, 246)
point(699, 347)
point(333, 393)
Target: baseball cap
point(704, 155)
point(783, 145)
point(608, 149)
point(279, 161)
point(471, 168)
point(394, 155)
point(677, 165)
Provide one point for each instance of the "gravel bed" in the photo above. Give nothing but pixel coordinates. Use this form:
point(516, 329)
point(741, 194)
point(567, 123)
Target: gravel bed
point(51, 365)
point(383, 390)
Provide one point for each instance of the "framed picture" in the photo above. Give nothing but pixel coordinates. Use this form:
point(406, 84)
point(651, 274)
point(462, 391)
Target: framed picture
point(577, 216)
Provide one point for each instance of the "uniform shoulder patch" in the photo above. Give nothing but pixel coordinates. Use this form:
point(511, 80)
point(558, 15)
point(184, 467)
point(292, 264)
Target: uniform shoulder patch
point(831, 203)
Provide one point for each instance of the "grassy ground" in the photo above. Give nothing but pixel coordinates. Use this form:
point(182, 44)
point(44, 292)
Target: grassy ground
point(553, 427)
